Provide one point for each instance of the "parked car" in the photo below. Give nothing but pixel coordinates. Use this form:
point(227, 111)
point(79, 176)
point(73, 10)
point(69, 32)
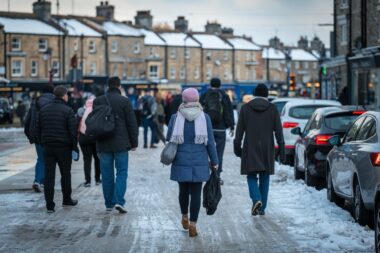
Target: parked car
point(296, 113)
point(312, 146)
point(6, 111)
point(280, 102)
point(353, 167)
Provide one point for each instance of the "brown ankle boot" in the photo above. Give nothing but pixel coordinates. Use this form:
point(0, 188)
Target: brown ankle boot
point(185, 222)
point(193, 231)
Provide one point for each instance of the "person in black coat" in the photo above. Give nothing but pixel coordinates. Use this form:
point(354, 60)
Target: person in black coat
point(113, 151)
point(58, 130)
point(258, 120)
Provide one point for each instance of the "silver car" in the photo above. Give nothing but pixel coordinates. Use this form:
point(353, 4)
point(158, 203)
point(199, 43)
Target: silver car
point(353, 167)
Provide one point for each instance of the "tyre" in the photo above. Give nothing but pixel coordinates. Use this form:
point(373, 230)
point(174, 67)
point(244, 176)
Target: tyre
point(309, 179)
point(331, 195)
point(377, 228)
point(360, 213)
point(297, 174)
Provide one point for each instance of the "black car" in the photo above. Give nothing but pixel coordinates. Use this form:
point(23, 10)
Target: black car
point(312, 146)
point(6, 111)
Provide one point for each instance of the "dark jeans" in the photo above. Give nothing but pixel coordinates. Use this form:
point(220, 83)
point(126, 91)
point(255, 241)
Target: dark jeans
point(148, 123)
point(259, 191)
point(40, 165)
point(187, 189)
point(54, 155)
point(220, 140)
point(89, 151)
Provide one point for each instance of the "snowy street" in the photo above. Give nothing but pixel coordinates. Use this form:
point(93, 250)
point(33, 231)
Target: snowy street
point(298, 218)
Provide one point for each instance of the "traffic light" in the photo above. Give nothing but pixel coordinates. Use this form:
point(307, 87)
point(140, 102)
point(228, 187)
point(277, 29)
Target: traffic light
point(324, 70)
point(292, 82)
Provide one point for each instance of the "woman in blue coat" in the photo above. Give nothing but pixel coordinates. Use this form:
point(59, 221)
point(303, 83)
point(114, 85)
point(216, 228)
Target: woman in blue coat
point(191, 129)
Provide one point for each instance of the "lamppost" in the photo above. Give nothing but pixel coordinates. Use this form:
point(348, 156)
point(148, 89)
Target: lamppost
point(185, 58)
point(288, 60)
point(47, 58)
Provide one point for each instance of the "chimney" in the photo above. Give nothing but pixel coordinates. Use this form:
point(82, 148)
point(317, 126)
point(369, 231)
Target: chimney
point(144, 19)
point(42, 9)
point(213, 27)
point(181, 24)
point(105, 10)
point(303, 43)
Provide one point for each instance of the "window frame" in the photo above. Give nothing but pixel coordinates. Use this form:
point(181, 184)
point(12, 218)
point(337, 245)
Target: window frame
point(114, 46)
point(93, 71)
point(46, 44)
point(35, 68)
point(136, 48)
point(91, 46)
point(366, 137)
point(173, 53)
point(21, 73)
point(18, 42)
point(150, 72)
point(173, 73)
point(57, 68)
point(357, 130)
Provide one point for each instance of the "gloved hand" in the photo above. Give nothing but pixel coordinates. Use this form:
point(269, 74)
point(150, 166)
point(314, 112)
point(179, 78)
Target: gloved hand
point(238, 150)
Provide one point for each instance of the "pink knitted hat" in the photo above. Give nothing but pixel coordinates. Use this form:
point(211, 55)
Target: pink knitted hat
point(190, 95)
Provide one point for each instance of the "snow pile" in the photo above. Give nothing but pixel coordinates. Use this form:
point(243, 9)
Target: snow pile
point(11, 129)
point(312, 219)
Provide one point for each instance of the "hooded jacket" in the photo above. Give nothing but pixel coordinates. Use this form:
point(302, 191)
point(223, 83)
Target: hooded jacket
point(258, 120)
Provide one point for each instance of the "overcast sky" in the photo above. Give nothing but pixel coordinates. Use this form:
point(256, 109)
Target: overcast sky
point(261, 19)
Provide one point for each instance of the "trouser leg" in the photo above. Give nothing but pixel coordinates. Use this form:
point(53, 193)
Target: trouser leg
point(184, 197)
point(87, 159)
point(264, 188)
point(121, 164)
point(96, 162)
point(40, 165)
point(64, 163)
point(49, 182)
point(253, 187)
point(220, 140)
point(108, 178)
point(195, 203)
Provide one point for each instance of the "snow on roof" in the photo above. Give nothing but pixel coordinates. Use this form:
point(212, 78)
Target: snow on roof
point(77, 28)
point(151, 38)
point(243, 44)
point(178, 40)
point(301, 55)
point(27, 26)
point(116, 28)
point(209, 41)
point(272, 53)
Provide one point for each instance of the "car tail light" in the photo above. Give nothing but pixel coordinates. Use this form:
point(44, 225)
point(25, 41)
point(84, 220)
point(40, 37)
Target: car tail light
point(322, 139)
point(358, 112)
point(375, 159)
point(289, 124)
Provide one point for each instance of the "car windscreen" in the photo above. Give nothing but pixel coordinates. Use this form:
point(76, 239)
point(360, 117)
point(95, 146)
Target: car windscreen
point(279, 106)
point(304, 111)
point(340, 122)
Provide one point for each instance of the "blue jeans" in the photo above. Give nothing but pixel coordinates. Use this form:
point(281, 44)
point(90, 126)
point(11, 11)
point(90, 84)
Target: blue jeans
point(148, 123)
point(220, 140)
point(40, 165)
point(114, 191)
point(259, 192)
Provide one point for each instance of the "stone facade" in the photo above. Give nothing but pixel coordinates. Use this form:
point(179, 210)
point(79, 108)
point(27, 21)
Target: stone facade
point(184, 65)
point(217, 63)
point(155, 64)
point(248, 66)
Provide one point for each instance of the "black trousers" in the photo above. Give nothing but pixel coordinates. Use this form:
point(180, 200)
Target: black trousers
point(187, 189)
point(220, 140)
point(54, 155)
point(89, 151)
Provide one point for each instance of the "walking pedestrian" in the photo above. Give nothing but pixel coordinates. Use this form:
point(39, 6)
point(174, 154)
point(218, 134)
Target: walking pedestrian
point(258, 120)
point(32, 133)
point(217, 104)
point(114, 151)
point(148, 110)
point(88, 146)
point(58, 130)
point(191, 129)
point(159, 119)
point(20, 112)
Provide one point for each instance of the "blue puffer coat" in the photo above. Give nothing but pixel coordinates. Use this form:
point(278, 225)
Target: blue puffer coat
point(191, 163)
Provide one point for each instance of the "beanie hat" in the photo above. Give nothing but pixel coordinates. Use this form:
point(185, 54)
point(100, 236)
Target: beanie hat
point(190, 95)
point(215, 82)
point(261, 91)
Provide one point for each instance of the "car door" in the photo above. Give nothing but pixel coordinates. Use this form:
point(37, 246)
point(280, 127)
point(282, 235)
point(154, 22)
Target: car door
point(342, 167)
point(302, 142)
point(361, 158)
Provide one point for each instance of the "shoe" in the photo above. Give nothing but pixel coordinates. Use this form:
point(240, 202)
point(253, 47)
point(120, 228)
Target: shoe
point(261, 212)
point(145, 146)
point(87, 184)
point(36, 187)
point(256, 207)
point(120, 208)
point(51, 210)
point(193, 231)
point(185, 222)
point(98, 182)
point(153, 146)
point(71, 202)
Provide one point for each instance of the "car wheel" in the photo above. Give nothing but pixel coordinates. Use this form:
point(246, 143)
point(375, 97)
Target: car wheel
point(377, 228)
point(331, 195)
point(360, 213)
point(297, 174)
point(309, 179)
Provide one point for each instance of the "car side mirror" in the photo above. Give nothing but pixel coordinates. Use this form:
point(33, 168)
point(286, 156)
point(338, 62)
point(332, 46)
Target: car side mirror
point(296, 131)
point(335, 140)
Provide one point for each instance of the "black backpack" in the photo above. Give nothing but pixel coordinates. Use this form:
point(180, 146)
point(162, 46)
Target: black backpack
point(146, 107)
point(212, 193)
point(213, 106)
point(100, 123)
point(31, 123)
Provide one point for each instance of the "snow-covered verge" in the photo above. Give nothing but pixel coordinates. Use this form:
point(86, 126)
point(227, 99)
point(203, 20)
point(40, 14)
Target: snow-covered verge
point(11, 129)
point(314, 221)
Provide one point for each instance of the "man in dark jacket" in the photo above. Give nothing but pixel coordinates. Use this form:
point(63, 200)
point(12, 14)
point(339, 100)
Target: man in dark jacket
point(58, 130)
point(148, 110)
point(224, 112)
point(114, 149)
point(258, 120)
point(31, 131)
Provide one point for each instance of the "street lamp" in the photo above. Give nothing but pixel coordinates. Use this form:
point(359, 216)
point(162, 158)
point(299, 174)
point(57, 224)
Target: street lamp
point(47, 58)
point(185, 58)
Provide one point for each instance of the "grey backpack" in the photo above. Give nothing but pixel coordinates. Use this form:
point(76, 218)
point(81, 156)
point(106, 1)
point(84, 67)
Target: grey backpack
point(168, 153)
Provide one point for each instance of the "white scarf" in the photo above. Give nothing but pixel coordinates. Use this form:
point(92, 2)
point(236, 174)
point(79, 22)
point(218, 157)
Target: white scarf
point(191, 112)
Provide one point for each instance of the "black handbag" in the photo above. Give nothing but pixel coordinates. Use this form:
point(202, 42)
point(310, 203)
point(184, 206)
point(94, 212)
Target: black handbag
point(212, 193)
